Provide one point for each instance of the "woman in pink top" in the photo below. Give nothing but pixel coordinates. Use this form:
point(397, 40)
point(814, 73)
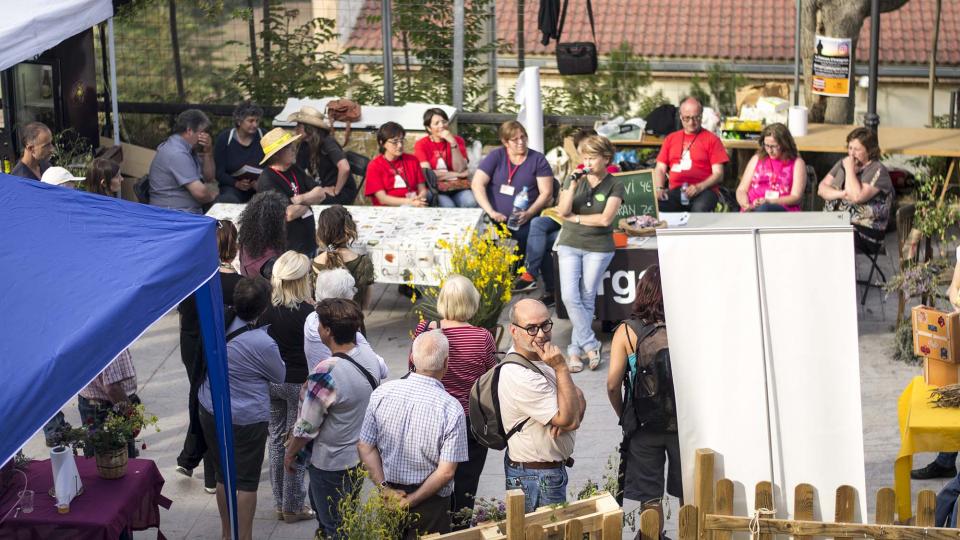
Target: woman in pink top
point(776, 175)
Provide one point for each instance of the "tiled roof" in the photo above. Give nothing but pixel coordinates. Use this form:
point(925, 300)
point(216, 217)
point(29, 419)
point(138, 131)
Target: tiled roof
point(745, 30)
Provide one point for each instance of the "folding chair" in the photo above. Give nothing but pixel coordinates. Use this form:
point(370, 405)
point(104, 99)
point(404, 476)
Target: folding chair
point(870, 243)
point(358, 168)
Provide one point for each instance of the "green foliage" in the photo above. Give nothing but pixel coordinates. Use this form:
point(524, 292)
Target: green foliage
point(71, 151)
point(378, 516)
point(721, 91)
point(934, 216)
point(295, 64)
point(123, 424)
point(903, 344)
point(612, 90)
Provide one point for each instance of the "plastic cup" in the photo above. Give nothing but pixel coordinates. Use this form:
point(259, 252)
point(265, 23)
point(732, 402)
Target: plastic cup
point(26, 501)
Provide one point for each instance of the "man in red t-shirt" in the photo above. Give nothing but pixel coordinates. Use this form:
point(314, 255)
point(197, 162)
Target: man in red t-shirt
point(693, 157)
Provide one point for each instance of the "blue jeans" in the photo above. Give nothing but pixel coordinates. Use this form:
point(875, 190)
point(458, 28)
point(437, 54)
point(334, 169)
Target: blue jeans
point(946, 459)
point(457, 199)
point(327, 488)
point(543, 233)
point(581, 273)
point(541, 487)
point(946, 509)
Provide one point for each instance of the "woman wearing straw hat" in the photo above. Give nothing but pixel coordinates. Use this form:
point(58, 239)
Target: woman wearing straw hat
point(282, 174)
point(322, 156)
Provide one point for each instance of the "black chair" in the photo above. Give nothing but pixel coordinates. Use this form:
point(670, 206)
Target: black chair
point(870, 243)
point(358, 168)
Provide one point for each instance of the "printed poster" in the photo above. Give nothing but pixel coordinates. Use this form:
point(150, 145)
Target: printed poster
point(832, 69)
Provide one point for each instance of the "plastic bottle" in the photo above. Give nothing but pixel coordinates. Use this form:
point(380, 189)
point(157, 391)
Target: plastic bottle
point(684, 200)
point(520, 203)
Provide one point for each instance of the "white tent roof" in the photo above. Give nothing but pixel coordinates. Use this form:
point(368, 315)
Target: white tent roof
point(29, 28)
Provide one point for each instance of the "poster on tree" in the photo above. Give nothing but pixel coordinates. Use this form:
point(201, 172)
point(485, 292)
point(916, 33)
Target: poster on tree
point(832, 67)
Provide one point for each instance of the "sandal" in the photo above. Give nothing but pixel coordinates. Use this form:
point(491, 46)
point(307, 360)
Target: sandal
point(574, 364)
point(594, 357)
point(302, 515)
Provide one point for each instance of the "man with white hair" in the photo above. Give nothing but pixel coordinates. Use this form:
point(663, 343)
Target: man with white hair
point(414, 434)
point(334, 283)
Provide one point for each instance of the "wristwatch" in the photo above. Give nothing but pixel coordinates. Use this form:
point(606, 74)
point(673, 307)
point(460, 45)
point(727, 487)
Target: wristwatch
point(382, 485)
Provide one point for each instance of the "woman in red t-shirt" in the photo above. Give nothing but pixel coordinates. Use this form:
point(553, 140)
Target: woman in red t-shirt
point(394, 178)
point(446, 155)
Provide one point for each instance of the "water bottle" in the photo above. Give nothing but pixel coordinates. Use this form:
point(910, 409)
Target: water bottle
point(684, 200)
point(520, 203)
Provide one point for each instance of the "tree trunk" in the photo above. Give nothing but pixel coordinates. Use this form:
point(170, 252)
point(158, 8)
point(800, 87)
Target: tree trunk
point(933, 60)
point(266, 31)
point(175, 44)
point(838, 19)
point(251, 27)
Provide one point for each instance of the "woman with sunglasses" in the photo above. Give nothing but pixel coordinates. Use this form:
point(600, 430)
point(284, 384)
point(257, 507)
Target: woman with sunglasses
point(776, 176)
point(394, 178)
point(505, 173)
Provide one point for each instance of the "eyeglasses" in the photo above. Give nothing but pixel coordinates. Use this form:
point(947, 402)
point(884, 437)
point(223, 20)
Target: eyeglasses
point(518, 140)
point(769, 147)
point(691, 118)
point(396, 142)
point(532, 330)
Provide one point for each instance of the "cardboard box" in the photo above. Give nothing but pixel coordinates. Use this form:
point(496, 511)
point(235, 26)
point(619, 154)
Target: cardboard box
point(936, 334)
point(937, 373)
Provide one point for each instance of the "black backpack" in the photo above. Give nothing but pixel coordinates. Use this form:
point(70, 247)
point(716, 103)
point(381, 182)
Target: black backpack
point(650, 404)
point(663, 120)
point(485, 420)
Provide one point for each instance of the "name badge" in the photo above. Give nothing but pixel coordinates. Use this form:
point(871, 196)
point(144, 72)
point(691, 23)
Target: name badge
point(685, 162)
point(507, 189)
point(398, 182)
point(771, 195)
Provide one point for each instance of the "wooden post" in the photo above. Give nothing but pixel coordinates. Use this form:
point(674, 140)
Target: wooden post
point(515, 512)
point(946, 181)
point(573, 530)
point(926, 503)
point(845, 506)
point(534, 532)
point(703, 486)
point(803, 500)
point(886, 506)
point(763, 498)
point(724, 506)
point(612, 528)
point(687, 523)
point(650, 524)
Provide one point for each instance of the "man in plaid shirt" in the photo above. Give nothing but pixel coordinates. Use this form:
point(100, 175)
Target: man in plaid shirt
point(115, 385)
point(414, 434)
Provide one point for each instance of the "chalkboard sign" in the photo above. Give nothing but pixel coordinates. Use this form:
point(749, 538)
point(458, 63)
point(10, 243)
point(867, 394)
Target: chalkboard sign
point(639, 199)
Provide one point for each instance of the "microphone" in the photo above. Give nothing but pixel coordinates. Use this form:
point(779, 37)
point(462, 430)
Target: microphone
point(580, 174)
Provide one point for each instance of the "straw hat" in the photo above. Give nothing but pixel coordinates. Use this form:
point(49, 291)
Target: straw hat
point(311, 116)
point(274, 141)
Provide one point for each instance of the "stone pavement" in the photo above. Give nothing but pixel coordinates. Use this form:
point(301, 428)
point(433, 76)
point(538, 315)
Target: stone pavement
point(163, 388)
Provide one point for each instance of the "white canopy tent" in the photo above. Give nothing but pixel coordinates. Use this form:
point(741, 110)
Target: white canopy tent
point(28, 31)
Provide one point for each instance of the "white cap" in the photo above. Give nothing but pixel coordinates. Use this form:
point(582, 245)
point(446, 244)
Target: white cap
point(59, 175)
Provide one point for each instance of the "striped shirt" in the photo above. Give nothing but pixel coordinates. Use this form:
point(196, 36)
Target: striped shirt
point(119, 371)
point(415, 425)
point(472, 353)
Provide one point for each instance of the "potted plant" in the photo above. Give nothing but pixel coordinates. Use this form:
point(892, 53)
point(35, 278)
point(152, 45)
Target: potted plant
point(108, 441)
point(488, 260)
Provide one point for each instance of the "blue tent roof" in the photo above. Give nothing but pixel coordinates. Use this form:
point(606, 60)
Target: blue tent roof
point(83, 276)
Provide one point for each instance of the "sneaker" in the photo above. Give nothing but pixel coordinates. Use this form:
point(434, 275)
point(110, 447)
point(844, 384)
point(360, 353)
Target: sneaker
point(185, 471)
point(548, 300)
point(933, 470)
point(524, 283)
point(212, 491)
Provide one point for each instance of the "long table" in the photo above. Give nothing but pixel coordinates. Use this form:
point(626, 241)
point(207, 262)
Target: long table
point(402, 242)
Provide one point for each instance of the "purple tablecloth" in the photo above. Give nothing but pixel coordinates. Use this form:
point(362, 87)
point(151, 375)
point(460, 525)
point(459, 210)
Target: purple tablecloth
point(102, 512)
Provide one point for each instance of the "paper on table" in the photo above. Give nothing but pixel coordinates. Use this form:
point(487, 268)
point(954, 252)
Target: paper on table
point(66, 478)
point(675, 219)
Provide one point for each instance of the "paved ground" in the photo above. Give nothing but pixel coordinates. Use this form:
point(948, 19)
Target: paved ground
point(163, 387)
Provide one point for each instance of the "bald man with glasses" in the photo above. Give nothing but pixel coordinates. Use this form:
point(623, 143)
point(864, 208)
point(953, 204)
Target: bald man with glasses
point(692, 159)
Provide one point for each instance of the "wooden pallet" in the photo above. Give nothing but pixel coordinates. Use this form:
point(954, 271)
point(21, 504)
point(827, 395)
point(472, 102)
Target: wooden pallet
point(599, 517)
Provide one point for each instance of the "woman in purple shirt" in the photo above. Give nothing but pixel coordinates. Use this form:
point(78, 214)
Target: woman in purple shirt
point(504, 173)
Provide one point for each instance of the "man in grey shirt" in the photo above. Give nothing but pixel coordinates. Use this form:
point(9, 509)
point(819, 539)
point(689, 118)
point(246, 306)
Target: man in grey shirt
point(183, 173)
point(331, 414)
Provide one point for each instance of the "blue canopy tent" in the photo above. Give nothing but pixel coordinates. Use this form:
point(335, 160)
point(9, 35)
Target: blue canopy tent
point(83, 276)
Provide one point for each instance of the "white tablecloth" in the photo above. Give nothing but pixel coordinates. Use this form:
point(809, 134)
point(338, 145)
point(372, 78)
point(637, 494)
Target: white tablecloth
point(402, 242)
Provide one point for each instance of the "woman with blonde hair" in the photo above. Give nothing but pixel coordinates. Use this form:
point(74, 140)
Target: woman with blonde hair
point(472, 353)
point(291, 303)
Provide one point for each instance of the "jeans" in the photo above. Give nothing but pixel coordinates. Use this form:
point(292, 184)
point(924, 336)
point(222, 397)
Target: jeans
point(946, 459)
point(946, 509)
point(581, 273)
point(706, 201)
point(456, 199)
point(94, 413)
point(327, 489)
point(770, 207)
point(230, 194)
point(543, 233)
point(541, 487)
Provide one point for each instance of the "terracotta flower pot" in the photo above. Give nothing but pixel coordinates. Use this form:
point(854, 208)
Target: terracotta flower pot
point(112, 464)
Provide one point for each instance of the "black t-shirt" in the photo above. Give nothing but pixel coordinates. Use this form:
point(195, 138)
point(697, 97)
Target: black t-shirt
point(21, 170)
point(286, 328)
point(301, 233)
point(325, 162)
point(189, 319)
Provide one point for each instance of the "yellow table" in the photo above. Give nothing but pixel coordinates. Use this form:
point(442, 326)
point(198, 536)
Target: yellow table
point(923, 428)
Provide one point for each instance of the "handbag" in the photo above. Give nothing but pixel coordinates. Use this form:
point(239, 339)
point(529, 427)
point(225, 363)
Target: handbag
point(578, 57)
point(346, 111)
